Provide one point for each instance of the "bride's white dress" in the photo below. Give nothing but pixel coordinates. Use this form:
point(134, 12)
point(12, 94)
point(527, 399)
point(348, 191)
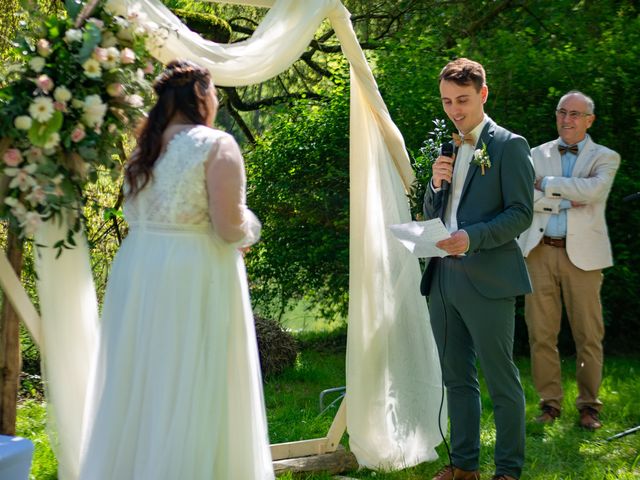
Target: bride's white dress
point(177, 391)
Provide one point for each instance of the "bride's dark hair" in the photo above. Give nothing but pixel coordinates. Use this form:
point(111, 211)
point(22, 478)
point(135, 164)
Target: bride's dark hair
point(181, 89)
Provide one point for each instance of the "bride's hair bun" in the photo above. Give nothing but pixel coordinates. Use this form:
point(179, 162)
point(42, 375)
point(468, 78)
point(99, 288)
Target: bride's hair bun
point(179, 73)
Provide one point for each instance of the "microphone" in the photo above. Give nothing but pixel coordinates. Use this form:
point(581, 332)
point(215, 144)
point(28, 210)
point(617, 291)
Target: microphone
point(446, 150)
point(633, 196)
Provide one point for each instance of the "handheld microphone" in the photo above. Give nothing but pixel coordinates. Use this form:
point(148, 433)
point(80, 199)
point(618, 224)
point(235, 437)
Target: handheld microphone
point(633, 196)
point(446, 150)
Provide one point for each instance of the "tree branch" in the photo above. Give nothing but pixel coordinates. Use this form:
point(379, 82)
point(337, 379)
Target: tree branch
point(236, 102)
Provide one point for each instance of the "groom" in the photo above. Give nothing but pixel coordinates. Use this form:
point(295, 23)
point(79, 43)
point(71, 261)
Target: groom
point(486, 202)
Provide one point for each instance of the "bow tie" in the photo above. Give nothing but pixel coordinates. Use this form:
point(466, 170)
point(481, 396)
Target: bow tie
point(459, 140)
point(571, 149)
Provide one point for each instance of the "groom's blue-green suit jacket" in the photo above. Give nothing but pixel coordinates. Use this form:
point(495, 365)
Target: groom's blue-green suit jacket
point(494, 209)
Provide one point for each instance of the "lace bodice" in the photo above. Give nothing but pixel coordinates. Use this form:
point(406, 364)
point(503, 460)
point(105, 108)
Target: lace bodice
point(177, 194)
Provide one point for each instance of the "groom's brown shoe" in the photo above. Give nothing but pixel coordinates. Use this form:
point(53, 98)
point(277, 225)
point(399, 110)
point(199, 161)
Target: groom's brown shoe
point(452, 473)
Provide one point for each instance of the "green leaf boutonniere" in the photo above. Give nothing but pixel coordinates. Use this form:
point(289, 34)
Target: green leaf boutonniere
point(481, 158)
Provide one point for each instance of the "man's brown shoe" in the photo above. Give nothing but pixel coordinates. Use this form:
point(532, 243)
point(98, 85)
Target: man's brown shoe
point(589, 418)
point(452, 473)
point(548, 415)
point(503, 477)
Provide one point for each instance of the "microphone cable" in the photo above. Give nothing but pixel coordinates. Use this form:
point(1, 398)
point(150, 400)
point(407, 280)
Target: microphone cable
point(444, 348)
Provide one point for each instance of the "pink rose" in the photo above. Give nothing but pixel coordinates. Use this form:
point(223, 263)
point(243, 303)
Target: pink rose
point(60, 106)
point(44, 83)
point(43, 47)
point(148, 69)
point(78, 134)
point(100, 54)
point(127, 56)
point(12, 157)
point(115, 89)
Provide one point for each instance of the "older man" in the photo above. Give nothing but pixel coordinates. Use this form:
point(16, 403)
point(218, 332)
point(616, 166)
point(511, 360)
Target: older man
point(566, 248)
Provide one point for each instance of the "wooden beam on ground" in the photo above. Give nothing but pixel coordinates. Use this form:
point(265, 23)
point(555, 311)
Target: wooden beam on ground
point(316, 446)
point(334, 462)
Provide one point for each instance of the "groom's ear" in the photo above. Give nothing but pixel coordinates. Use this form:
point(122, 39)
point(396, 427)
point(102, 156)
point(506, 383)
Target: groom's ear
point(484, 93)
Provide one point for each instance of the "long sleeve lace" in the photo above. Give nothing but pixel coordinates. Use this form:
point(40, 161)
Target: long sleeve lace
point(226, 187)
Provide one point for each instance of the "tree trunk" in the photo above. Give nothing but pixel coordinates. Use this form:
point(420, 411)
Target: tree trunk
point(10, 361)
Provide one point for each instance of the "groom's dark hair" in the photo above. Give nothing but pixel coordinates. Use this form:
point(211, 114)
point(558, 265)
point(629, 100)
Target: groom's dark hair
point(463, 71)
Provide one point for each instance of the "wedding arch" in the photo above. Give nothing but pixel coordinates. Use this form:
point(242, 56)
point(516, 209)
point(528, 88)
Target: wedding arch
point(392, 366)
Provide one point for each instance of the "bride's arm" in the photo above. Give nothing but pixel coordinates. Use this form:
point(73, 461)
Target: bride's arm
point(226, 183)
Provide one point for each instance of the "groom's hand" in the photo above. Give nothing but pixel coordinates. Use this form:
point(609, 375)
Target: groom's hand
point(442, 169)
point(456, 244)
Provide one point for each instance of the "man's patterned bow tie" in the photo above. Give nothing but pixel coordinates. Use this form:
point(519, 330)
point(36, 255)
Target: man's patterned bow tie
point(459, 140)
point(571, 149)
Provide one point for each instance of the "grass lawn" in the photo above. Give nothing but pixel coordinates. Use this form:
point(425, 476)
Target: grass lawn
point(561, 451)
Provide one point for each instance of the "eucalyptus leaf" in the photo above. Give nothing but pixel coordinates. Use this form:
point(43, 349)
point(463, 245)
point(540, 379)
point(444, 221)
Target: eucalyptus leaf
point(91, 38)
point(73, 8)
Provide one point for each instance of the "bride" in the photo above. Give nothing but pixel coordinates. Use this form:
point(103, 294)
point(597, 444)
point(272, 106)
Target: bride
point(176, 389)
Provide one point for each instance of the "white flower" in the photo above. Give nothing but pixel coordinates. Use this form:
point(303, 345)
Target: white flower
point(116, 7)
point(62, 94)
point(126, 34)
point(97, 22)
point(112, 58)
point(17, 208)
point(35, 155)
point(41, 109)
point(22, 122)
point(94, 111)
point(135, 101)
point(73, 35)
point(92, 68)
point(109, 40)
point(37, 196)
point(53, 141)
point(31, 223)
point(22, 177)
point(37, 64)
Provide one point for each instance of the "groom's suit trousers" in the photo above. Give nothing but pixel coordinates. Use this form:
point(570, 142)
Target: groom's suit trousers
point(466, 326)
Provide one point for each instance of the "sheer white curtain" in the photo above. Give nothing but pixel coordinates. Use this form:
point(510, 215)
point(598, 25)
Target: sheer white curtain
point(393, 375)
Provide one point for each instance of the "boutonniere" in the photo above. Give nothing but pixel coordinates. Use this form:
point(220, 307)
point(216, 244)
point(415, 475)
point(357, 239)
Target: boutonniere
point(481, 158)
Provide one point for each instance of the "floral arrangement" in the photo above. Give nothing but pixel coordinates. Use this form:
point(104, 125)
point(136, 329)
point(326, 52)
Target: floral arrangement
point(80, 85)
point(421, 163)
point(481, 158)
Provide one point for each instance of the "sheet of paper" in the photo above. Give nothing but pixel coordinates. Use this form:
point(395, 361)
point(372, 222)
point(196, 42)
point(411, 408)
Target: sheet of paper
point(420, 237)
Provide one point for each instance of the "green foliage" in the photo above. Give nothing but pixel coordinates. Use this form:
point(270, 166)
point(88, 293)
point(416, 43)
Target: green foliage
point(561, 451)
point(299, 178)
point(31, 424)
point(533, 53)
point(209, 26)
point(422, 162)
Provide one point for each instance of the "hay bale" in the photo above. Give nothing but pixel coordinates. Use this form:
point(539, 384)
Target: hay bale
point(277, 347)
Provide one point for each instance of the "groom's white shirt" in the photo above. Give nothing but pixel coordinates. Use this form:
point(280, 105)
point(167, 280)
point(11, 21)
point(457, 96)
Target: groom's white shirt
point(588, 245)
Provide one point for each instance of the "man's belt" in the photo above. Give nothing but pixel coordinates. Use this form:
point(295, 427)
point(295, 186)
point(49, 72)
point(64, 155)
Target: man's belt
point(555, 242)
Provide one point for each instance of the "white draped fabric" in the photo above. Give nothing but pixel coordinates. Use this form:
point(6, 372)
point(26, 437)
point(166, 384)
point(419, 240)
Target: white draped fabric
point(69, 325)
point(393, 375)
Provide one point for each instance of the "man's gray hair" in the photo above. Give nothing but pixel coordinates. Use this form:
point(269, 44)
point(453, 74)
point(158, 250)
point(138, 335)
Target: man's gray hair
point(591, 106)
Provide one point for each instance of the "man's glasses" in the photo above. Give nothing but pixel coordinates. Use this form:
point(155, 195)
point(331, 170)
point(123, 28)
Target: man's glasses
point(572, 114)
